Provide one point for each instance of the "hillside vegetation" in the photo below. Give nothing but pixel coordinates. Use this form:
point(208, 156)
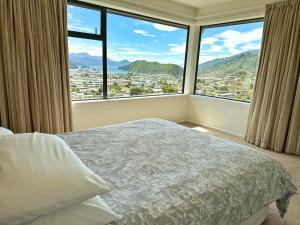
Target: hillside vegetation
point(145, 67)
point(241, 64)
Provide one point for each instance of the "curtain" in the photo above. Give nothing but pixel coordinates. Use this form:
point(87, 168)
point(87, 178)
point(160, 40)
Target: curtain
point(34, 79)
point(274, 119)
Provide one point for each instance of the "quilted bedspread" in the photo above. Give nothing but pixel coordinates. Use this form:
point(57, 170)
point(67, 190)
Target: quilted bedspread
point(165, 174)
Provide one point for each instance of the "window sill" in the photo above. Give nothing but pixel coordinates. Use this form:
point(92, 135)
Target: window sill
point(219, 98)
point(122, 99)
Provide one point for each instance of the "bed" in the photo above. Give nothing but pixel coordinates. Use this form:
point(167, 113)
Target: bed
point(163, 173)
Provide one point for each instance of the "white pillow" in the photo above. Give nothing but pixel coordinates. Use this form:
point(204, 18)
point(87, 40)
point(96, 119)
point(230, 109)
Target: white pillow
point(40, 174)
point(91, 212)
point(5, 131)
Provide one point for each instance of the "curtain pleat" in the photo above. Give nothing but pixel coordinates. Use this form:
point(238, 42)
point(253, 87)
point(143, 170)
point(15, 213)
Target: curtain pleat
point(34, 76)
point(273, 120)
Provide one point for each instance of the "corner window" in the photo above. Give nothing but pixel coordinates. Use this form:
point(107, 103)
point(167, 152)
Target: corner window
point(116, 54)
point(228, 60)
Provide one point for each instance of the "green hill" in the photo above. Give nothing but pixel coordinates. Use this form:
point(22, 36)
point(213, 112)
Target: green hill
point(145, 67)
point(244, 63)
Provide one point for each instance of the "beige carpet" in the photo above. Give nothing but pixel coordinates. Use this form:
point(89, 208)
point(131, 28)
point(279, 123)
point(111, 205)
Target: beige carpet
point(290, 162)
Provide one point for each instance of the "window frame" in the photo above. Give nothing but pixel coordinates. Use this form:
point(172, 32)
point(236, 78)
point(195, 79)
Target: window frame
point(97, 37)
point(103, 37)
point(238, 22)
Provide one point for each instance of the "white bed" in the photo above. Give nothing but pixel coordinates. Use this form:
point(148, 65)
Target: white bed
point(166, 174)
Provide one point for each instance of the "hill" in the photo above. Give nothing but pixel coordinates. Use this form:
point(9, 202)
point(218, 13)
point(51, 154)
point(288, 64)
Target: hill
point(244, 63)
point(145, 67)
point(236, 65)
point(85, 60)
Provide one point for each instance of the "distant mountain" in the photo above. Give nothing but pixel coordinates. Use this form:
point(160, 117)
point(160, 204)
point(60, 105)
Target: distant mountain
point(85, 60)
point(244, 63)
point(145, 67)
point(236, 65)
point(117, 64)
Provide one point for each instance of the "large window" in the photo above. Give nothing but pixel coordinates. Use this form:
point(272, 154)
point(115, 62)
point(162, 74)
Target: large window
point(144, 57)
point(116, 54)
point(228, 60)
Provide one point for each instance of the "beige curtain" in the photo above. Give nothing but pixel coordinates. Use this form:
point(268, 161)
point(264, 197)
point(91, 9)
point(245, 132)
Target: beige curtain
point(274, 119)
point(34, 79)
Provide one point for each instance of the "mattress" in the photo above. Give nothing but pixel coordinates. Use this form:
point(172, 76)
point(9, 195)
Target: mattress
point(164, 173)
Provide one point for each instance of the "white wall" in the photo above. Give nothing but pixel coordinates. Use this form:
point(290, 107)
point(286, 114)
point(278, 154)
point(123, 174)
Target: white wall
point(225, 115)
point(91, 114)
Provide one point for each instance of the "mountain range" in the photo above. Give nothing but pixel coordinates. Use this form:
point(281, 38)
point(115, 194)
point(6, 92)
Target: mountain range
point(83, 59)
point(239, 64)
point(243, 63)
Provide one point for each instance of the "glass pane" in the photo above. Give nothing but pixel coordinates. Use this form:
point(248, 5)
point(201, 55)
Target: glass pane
point(85, 63)
point(83, 20)
point(228, 60)
point(144, 58)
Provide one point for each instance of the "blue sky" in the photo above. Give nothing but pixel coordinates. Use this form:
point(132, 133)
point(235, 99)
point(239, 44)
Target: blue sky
point(128, 38)
point(220, 42)
point(134, 39)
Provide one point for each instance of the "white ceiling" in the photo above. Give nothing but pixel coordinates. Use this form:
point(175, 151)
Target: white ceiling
point(204, 3)
point(219, 4)
point(192, 11)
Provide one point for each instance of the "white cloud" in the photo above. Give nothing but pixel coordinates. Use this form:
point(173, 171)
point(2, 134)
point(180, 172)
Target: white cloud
point(144, 33)
point(209, 40)
point(80, 27)
point(214, 48)
point(141, 22)
point(130, 54)
point(135, 52)
point(177, 48)
point(232, 38)
point(79, 47)
point(76, 24)
point(206, 58)
point(127, 49)
point(164, 27)
point(250, 46)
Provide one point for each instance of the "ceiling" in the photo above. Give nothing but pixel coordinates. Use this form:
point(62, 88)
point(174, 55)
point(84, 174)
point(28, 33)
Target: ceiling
point(203, 3)
point(219, 4)
point(193, 11)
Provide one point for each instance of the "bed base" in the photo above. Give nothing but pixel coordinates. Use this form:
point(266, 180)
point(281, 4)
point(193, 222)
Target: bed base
point(258, 218)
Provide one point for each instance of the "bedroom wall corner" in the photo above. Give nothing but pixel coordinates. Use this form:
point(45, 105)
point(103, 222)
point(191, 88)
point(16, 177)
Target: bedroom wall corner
point(220, 114)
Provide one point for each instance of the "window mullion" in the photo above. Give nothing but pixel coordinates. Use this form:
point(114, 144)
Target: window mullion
point(104, 51)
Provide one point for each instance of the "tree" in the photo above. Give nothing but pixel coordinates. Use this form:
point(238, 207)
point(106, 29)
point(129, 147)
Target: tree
point(136, 91)
point(224, 88)
point(149, 90)
point(115, 87)
point(169, 89)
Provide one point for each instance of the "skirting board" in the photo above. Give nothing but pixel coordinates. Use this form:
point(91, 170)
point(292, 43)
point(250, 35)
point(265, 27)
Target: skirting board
point(217, 129)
